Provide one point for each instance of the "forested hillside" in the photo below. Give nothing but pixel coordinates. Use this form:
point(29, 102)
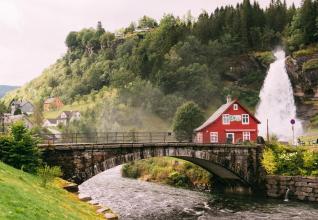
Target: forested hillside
point(157, 66)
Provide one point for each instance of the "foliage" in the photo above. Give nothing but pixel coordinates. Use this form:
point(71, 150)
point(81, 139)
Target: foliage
point(23, 198)
point(265, 57)
point(48, 174)
point(286, 160)
point(19, 148)
point(269, 162)
point(310, 65)
point(188, 117)
point(170, 171)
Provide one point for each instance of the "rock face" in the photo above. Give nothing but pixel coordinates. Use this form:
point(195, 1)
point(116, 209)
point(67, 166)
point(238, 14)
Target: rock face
point(301, 188)
point(305, 83)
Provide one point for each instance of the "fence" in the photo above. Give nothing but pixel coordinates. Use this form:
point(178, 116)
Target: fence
point(109, 137)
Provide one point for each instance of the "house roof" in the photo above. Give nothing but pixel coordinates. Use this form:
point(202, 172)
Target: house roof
point(220, 111)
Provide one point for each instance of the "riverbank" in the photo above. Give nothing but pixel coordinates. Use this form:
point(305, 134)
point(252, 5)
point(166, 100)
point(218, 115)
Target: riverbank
point(22, 197)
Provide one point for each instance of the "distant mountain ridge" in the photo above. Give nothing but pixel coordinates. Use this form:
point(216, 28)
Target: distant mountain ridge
point(4, 89)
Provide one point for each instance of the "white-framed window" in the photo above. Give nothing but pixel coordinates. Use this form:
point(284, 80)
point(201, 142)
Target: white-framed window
point(245, 119)
point(235, 107)
point(214, 137)
point(246, 136)
point(199, 137)
point(226, 119)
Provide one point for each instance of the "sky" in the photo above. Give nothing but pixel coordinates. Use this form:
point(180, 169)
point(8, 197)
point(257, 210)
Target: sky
point(32, 32)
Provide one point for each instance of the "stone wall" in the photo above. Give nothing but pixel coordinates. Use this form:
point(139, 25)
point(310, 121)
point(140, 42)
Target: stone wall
point(301, 188)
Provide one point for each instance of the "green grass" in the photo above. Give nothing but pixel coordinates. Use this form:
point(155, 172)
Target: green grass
point(22, 197)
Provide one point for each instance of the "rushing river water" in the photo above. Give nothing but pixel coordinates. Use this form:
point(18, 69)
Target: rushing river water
point(135, 199)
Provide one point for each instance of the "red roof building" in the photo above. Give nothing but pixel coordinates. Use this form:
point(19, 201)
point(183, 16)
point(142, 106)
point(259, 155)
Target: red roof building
point(231, 123)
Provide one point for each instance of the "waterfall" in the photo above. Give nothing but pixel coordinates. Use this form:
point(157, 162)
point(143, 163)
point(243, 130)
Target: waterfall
point(277, 102)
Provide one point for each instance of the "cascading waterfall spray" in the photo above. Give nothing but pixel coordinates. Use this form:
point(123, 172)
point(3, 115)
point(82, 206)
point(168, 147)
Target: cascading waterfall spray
point(277, 102)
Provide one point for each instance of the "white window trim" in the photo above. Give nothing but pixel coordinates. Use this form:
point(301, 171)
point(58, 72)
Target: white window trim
point(214, 137)
point(235, 107)
point(248, 119)
point(199, 137)
point(246, 134)
point(233, 141)
point(228, 119)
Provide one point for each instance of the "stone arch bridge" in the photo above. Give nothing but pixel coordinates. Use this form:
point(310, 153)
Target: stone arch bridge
point(231, 165)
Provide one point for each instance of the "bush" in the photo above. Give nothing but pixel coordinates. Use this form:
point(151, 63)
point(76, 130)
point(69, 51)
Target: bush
point(130, 171)
point(290, 161)
point(47, 174)
point(269, 161)
point(178, 179)
point(19, 148)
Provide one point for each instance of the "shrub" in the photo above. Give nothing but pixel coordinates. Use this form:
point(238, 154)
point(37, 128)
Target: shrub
point(47, 174)
point(130, 171)
point(178, 179)
point(269, 161)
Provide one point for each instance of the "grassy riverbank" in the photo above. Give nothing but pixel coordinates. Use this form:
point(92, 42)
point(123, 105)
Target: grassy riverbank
point(22, 197)
point(169, 171)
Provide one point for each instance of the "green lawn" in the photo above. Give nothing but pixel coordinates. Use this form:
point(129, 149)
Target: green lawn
point(22, 197)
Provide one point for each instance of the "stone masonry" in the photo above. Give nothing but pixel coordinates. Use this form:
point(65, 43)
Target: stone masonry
point(301, 188)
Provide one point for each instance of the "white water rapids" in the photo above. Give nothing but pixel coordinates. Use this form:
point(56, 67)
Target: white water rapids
point(277, 104)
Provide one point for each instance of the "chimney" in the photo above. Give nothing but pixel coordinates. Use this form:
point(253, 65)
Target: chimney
point(228, 99)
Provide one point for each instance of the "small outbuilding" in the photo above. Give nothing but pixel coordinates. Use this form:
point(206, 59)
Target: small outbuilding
point(231, 123)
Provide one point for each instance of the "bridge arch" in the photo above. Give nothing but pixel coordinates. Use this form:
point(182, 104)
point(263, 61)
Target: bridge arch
point(229, 163)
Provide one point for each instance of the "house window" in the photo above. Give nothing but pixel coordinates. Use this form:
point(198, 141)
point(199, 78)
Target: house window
point(235, 107)
point(199, 137)
point(226, 119)
point(214, 137)
point(245, 119)
point(246, 136)
point(230, 138)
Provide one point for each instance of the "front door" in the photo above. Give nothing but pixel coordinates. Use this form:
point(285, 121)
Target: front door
point(230, 138)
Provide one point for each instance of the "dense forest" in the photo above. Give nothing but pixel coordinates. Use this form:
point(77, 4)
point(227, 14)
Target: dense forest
point(159, 65)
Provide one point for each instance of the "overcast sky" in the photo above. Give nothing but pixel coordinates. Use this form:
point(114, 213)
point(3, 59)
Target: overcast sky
point(32, 32)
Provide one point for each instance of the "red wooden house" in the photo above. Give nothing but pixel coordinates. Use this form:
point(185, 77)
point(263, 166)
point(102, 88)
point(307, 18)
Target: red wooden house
point(231, 123)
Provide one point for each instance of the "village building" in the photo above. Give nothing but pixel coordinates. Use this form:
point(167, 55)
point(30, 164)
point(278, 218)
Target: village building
point(21, 107)
point(231, 123)
point(51, 104)
point(68, 116)
point(63, 119)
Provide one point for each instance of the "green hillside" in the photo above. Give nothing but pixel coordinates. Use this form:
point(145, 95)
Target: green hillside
point(154, 67)
point(22, 197)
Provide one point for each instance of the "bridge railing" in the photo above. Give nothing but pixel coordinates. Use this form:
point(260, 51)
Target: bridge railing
point(109, 137)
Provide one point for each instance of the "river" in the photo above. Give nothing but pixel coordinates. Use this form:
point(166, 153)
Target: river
point(136, 199)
